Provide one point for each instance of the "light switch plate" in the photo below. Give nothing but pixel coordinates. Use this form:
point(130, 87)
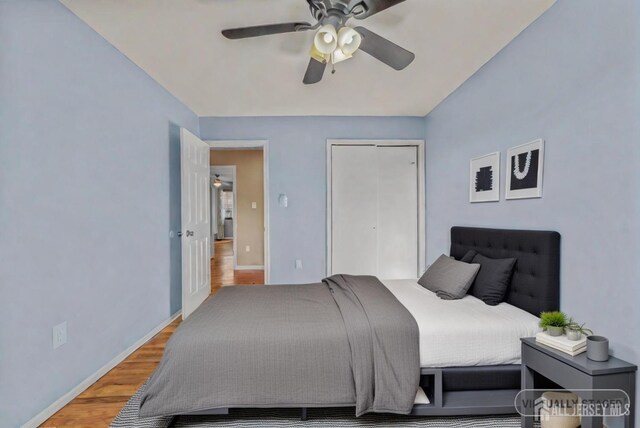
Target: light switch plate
point(254, 205)
point(59, 335)
point(247, 248)
point(298, 264)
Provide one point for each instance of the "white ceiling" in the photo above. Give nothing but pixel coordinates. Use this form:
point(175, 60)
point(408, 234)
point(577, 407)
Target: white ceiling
point(179, 44)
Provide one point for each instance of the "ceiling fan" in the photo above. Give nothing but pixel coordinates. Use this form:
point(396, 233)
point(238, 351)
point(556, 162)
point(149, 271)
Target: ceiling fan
point(335, 42)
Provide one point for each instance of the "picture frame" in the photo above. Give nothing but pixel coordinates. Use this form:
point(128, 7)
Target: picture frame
point(484, 178)
point(525, 170)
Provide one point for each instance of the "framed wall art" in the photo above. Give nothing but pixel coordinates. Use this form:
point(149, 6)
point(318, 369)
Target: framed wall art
point(484, 178)
point(524, 170)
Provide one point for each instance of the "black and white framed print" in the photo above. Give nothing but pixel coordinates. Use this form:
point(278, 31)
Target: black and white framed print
point(524, 170)
point(484, 178)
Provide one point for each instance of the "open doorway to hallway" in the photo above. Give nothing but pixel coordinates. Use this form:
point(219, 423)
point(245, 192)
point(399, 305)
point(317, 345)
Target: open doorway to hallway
point(223, 273)
point(238, 216)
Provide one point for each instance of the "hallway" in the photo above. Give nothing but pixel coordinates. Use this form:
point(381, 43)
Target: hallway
point(222, 272)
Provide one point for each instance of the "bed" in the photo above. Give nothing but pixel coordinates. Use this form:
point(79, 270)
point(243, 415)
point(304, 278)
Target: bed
point(357, 341)
point(465, 332)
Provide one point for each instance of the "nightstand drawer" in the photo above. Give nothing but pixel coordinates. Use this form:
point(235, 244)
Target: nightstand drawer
point(564, 375)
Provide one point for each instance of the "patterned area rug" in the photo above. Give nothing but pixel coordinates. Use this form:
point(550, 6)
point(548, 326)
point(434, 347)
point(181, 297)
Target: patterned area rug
point(334, 418)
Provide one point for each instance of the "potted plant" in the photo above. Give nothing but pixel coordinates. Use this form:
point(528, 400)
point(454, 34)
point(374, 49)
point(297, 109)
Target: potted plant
point(575, 331)
point(554, 322)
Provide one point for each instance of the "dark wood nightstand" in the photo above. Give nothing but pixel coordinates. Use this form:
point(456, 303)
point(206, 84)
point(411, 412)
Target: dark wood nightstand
point(577, 374)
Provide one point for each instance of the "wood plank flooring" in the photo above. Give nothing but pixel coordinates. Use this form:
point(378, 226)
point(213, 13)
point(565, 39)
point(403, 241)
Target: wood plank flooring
point(222, 272)
point(101, 402)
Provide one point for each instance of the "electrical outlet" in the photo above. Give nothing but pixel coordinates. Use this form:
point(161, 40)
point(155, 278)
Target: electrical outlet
point(247, 248)
point(298, 264)
point(59, 333)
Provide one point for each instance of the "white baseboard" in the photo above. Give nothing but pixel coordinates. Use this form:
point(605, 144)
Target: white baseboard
point(78, 389)
point(249, 267)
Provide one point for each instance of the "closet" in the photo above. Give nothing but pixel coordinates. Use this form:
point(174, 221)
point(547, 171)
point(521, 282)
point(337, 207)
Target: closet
point(374, 207)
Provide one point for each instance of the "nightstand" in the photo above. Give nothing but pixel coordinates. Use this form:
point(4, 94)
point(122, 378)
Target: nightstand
point(577, 374)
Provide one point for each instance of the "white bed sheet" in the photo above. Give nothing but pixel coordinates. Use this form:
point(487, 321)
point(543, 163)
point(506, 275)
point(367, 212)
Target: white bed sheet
point(465, 332)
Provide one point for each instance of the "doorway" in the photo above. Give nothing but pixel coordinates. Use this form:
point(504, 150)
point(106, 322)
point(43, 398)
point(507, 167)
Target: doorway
point(240, 253)
point(223, 204)
point(223, 273)
point(375, 208)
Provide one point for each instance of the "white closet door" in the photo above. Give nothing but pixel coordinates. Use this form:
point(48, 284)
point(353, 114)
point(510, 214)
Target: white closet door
point(397, 212)
point(354, 210)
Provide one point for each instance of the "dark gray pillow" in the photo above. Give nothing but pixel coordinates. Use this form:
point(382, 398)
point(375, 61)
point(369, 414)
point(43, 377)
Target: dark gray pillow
point(448, 278)
point(468, 256)
point(493, 279)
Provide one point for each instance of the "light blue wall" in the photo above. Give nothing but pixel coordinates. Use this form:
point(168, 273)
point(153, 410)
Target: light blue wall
point(89, 168)
point(89, 153)
point(572, 78)
point(297, 168)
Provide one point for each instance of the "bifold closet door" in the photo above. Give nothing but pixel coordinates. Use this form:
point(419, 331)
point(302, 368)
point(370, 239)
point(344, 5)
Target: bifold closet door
point(397, 212)
point(374, 210)
point(354, 209)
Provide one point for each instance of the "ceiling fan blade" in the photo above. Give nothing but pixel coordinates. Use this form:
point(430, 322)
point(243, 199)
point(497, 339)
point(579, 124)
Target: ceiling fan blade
point(265, 30)
point(314, 73)
point(384, 50)
point(371, 7)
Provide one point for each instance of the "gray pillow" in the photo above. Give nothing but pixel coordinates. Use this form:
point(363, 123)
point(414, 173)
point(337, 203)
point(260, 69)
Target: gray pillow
point(468, 256)
point(449, 278)
point(493, 279)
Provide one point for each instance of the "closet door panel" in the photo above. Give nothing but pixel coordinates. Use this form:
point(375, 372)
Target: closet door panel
point(397, 225)
point(354, 210)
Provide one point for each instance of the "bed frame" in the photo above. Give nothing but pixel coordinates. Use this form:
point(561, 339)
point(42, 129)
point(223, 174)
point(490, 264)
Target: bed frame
point(535, 287)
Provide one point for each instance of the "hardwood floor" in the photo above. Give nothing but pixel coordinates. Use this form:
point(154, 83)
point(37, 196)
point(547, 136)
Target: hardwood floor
point(101, 402)
point(222, 272)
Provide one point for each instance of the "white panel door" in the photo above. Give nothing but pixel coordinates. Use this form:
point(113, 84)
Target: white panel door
point(196, 263)
point(397, 226)
point(353, 210)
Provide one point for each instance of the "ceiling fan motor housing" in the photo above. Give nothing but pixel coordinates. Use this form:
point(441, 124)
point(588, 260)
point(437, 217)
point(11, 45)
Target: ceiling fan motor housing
point(334, 12)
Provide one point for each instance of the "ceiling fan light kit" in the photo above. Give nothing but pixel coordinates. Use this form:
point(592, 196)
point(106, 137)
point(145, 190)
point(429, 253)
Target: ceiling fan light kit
point(349, 40)
point(338, 56)
point(326, 39)
point(334, 41)
point(331, 47)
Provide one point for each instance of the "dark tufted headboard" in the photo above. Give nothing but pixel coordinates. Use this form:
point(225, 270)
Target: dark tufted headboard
point(535, 285)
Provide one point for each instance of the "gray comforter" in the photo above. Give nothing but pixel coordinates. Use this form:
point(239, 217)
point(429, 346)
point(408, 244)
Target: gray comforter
point(344, 342)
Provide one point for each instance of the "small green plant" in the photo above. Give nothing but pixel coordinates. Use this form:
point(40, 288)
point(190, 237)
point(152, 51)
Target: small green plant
point(578, 328)
point(553, 319)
